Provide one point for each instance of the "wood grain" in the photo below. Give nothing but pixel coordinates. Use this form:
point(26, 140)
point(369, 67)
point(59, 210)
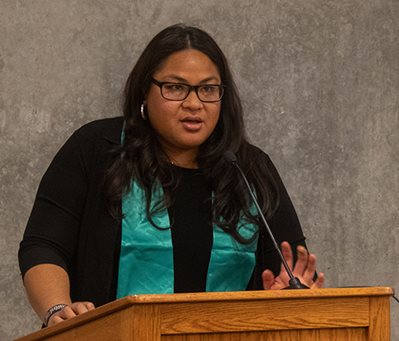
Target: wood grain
point(282, 314)
point(316, 315)
point(345, 334)
point(379, 328)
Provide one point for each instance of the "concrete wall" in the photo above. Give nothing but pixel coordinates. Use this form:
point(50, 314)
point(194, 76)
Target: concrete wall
point(319, 80)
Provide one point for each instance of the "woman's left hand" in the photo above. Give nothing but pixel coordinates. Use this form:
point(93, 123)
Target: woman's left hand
point(304, 270)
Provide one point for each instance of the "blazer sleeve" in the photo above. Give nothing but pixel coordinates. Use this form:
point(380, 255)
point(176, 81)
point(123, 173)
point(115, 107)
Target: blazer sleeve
point(52, 230)
point(285, 226)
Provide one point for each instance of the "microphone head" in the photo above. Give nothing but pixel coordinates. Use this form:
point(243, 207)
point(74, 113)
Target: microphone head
point(229, 156)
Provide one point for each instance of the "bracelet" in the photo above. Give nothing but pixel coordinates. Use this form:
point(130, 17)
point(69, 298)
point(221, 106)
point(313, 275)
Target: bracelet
point(52, 311)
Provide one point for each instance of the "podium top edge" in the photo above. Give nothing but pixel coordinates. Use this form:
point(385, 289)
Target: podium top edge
point(126, 302)
point(260, 294)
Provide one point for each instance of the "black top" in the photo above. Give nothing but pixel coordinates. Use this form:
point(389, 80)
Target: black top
point(70, 225)
point(192, 234)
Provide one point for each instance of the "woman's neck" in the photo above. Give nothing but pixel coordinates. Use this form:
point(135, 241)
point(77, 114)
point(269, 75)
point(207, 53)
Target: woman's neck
point(184, 158)
point(183, 162)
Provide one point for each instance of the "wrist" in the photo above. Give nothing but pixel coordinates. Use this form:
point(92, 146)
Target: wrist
point(54, 309)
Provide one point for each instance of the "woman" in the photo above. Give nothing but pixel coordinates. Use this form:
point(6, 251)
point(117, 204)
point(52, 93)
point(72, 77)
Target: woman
point(147, 204)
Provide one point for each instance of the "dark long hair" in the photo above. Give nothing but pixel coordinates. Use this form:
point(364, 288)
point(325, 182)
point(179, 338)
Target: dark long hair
point(142, 159)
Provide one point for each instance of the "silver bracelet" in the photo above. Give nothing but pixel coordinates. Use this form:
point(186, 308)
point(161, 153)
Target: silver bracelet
point(52, 311)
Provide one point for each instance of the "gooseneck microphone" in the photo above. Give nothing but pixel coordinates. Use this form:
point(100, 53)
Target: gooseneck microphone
point(294, 282)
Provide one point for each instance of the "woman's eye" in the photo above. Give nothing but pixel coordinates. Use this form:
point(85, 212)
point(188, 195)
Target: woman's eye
point(174, 87)
point(209, 89)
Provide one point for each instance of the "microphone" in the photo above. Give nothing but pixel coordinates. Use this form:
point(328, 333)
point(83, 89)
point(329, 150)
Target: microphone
point(294, 282)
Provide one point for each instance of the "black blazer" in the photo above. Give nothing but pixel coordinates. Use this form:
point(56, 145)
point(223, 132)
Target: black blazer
point(70, 226)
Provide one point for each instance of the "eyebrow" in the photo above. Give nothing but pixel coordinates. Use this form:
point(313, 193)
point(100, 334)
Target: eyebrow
point(183, 80)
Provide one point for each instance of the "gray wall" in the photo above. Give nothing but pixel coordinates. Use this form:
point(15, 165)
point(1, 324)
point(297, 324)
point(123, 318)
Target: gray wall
point(319, 81)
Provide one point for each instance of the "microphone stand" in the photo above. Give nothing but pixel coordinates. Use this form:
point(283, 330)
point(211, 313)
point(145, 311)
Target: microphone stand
point(294, 282)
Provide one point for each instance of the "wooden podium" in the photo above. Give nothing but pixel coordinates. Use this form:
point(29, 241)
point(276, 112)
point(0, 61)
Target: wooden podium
point(284, 315)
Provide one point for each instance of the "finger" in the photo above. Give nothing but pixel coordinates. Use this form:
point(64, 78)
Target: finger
point(80, 307)
point(90, 305)
point(54, 320)
point(288, 256)
point(267, 279)
point(67, 313)
point(302, 261)
point(287, 253)
point(319, 281)
point(310, 269)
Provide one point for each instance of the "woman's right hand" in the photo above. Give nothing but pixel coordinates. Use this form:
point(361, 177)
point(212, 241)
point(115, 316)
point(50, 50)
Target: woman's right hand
point(69, 311)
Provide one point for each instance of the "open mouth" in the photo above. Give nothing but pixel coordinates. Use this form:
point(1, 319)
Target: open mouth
point(192, 119)
point(192, 123)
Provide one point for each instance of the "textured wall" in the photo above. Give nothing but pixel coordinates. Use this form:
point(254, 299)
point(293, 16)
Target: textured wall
point(320, 84)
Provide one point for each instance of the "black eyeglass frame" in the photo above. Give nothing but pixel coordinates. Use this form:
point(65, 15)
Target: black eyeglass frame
point(190, 88)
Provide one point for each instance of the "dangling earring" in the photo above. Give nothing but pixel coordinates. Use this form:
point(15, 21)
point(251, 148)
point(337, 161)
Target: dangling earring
point(142, 112)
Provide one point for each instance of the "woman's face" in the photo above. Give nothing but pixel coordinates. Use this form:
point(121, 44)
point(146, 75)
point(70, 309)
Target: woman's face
point(182, 126)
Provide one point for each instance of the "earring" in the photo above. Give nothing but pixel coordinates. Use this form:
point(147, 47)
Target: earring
point(142, 112)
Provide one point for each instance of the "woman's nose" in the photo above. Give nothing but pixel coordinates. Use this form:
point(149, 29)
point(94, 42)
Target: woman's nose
point(192, 101)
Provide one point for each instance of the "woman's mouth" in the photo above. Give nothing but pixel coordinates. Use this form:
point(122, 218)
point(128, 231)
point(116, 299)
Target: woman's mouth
point(192, 124)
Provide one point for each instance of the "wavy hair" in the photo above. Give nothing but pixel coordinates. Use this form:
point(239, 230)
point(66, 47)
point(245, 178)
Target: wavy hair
point(141, 158)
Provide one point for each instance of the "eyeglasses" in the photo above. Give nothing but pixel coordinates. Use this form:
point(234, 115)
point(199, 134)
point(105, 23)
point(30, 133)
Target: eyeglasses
point(179, 91)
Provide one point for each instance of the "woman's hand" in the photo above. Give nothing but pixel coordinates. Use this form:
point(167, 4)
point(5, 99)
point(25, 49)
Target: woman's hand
point(72, 310)
point(304, 270)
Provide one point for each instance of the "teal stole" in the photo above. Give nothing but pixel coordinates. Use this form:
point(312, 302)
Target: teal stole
point(146, 258)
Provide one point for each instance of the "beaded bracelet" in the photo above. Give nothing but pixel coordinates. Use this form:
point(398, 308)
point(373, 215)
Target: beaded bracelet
point(52, 311)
